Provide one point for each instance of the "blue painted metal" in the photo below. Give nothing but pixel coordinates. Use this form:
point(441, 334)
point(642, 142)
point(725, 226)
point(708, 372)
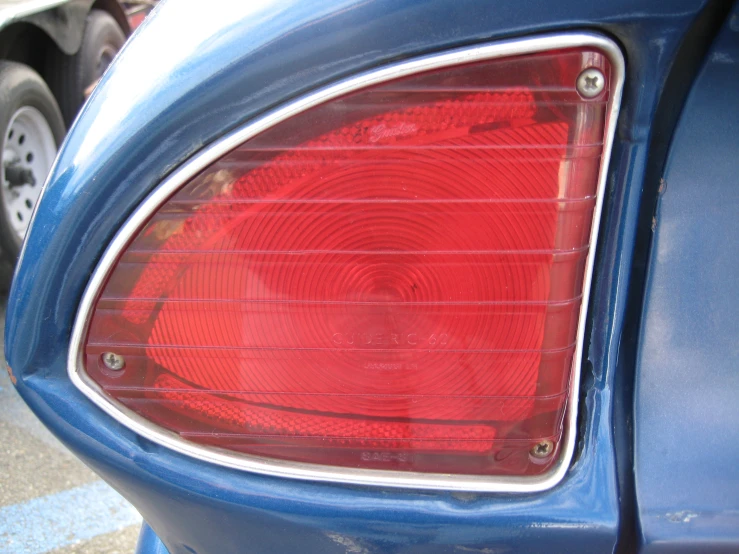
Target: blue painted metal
point(191, 75)
point(686, 409)
point(149, 543)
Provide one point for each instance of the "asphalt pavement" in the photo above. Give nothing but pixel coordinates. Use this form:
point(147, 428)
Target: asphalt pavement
point(49, 500)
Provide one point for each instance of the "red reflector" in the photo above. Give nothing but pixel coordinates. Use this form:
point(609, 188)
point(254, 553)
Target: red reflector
point(389, 280)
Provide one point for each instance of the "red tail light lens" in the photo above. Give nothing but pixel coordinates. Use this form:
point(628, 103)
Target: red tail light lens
point(389, 280)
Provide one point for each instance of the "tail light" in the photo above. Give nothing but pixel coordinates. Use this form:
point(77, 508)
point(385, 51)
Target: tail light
point(388, 277)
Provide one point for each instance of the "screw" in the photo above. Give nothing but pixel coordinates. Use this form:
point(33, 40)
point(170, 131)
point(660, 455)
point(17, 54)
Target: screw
point(543, 449)
point(113, 361)
point(590, 83)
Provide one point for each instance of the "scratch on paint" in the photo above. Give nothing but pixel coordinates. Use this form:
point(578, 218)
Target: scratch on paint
point(351, 545)
point(482, 550)
point(10, 374)
point(681, 517)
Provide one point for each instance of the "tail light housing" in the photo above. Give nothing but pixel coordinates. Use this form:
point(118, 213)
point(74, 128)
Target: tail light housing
point(382, 282)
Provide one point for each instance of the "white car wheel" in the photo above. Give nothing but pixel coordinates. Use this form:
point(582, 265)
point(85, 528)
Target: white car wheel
point(28, 152)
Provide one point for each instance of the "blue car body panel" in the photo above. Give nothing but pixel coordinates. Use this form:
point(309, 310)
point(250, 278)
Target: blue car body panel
point(686, 410)
point(193, 74)
point(149, 542)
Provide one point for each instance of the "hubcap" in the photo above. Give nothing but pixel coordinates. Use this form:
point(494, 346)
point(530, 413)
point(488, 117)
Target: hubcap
point(28, 151)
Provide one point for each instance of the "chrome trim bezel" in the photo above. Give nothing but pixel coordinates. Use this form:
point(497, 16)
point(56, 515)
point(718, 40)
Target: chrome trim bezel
point(211, 153)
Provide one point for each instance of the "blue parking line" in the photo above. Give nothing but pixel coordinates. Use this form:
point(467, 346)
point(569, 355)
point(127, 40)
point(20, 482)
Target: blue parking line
point(61, 519)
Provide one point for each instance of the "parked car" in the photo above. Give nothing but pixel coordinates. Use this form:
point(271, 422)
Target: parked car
point(399, 276)
point(52, 53)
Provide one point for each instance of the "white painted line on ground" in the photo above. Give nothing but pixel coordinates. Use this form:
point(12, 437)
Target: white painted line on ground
point(61, 519)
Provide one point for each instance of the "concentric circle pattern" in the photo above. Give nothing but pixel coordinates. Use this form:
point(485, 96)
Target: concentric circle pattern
point(392, 279)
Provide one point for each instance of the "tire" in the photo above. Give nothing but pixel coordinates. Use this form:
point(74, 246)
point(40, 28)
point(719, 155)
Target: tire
point(27, 107)
point(70, 76)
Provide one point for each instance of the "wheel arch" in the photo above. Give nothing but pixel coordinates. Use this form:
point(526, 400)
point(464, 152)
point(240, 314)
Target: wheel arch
point(58, 26)
point(61, 22)
point(114, 8)
point(32, 39)
point(28, 44)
